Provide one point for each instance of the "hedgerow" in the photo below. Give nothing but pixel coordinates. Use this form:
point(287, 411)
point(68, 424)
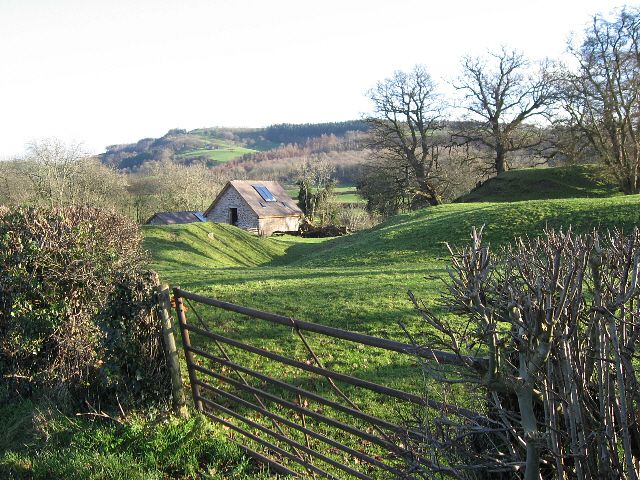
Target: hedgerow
point(76, 305)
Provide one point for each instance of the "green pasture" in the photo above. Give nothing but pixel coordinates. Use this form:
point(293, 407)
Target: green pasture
point(343, 195)
point(348, 194)
point(224, 151)
point(358, 282)
point(39, 442)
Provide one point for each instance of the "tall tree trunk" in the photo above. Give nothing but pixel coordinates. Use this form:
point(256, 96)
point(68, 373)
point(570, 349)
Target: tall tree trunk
point(500, 161)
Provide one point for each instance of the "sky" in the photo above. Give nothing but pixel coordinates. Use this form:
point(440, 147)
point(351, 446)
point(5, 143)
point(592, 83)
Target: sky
point(103, 72)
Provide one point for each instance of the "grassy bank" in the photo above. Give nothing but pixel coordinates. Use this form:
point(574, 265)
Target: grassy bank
point(40, 442)
point(573, 181)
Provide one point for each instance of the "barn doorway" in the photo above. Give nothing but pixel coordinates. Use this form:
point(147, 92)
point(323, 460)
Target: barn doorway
point(233, 216)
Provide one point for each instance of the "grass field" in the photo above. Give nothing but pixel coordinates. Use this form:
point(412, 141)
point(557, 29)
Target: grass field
point(575, 181)
point(348, 194)
point(358, 282)
point(38, 442)
point(345, 194)
point(224, 151)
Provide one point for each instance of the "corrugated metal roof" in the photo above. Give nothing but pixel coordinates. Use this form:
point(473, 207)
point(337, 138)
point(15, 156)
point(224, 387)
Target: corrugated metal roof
point(283, 206)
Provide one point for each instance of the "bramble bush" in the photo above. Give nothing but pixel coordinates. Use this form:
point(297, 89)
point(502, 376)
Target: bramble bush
point(76, 308)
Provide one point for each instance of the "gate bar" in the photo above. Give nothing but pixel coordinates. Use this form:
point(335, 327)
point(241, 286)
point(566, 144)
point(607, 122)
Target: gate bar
point(301, 428)
point(289, 442)
point(301, 391)
point(259, 440)
point(285, 403)
point(391, 392)
point(448, 358)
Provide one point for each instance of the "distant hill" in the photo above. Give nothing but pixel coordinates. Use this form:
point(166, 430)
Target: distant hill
point(574, 181)
point(216, 146)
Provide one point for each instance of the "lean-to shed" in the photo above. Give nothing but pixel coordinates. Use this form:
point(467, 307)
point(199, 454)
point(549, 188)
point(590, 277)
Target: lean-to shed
point(261, 207)
point(169, 218)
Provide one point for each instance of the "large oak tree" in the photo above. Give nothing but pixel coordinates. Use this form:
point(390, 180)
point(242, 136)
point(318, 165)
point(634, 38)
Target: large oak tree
point(602, 97)
point(404, 132)
point(501, 94)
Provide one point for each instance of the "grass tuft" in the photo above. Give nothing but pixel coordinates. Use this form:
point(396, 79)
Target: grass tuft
point(66, 447)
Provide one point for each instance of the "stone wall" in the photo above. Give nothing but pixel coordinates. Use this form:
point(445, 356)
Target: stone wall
point(278, 224)
point(247, 219)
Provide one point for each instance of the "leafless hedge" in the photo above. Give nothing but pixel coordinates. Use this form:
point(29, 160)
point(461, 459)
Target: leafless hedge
point(557, 320)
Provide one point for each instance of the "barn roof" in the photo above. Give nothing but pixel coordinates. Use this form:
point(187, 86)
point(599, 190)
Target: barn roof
point(282, 204)
point(168, 218)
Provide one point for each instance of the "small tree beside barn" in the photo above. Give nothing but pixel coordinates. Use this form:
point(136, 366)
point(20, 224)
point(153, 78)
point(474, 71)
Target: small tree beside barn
point(261, 207)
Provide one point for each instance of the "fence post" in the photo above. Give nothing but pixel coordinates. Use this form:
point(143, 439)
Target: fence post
point(169, 342)
point(186, 342)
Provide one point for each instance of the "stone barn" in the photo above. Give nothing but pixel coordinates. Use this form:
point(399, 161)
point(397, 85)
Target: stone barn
point(260, 207)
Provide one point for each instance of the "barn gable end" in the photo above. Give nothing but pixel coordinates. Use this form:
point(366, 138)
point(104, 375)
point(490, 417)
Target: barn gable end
point(229, 198)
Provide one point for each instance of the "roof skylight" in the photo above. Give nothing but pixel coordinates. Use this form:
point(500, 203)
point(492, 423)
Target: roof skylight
point(264, 192)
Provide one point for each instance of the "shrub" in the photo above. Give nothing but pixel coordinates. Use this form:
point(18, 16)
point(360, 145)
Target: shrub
point(134, 369)
point(64, 275)
point(548, 339)
point(356, 218)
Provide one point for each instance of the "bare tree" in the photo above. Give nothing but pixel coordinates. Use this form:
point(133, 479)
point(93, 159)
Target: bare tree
point(602, 97)
point(547, 340)
point(166, 186)
point(52, 166)
point(316, 184)
point(406, 118)
point(57, 174)
point(501, 93)
point(15, 187)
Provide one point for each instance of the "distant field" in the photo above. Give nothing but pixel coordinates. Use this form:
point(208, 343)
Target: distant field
point(348, 194)
point(224, 151)
point(344, 194)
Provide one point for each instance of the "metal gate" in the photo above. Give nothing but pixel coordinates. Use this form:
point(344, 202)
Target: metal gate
point(298, 430)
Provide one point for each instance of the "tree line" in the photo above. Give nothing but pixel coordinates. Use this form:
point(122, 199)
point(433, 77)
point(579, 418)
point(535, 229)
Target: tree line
point(515, 113)
point(510, 106)
point(55, 174)
point(300, 133)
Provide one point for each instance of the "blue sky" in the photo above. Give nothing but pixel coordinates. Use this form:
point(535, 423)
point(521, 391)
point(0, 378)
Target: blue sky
point(102, 72)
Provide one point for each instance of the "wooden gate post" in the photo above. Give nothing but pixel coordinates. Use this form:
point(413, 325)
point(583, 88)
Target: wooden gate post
point(169, 342)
